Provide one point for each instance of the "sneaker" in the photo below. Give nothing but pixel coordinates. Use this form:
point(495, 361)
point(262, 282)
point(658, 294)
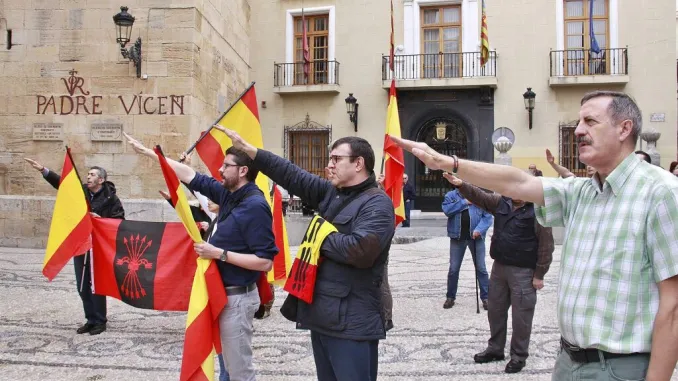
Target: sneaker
point(449, 303)
point(85, 328)
point(97, 329)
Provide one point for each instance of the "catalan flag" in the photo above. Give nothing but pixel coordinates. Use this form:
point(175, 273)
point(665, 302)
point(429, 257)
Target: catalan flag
point(394, 163)
point(71, 227)
point(484, 41)
point(305, 47)
point(392, 48)
point(243, 118)
point(208, 296)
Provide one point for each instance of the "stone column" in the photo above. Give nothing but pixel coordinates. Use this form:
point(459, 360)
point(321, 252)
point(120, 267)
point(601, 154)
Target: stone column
point(503, 145)
point(651, 136)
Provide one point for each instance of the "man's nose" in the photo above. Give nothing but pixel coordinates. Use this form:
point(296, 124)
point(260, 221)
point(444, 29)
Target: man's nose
point(580, 130)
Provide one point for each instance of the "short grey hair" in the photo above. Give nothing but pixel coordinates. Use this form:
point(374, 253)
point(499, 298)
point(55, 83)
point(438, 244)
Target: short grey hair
point(102, 172)
point(622, 107)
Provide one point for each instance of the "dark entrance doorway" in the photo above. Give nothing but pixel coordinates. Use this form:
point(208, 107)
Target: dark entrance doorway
point(449, 137)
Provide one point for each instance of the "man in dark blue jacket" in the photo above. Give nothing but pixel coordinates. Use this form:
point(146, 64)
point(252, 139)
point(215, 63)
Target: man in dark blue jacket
point(466, 227)
point(345, 318)
point(105, 203)
point(241, 241)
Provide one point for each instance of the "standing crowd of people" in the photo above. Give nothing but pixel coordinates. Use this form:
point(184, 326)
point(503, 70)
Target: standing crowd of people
point(617, 307)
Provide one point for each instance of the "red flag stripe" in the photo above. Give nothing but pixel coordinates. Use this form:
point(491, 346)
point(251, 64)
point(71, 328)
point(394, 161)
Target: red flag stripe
point(211, 154)
point(65, 251)
point(196, 346)
point(250, 100)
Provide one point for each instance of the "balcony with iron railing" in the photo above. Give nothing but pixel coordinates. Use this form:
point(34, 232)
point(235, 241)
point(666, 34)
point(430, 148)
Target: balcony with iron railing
point(440, 70)
point(584, 67)
point(320, 76)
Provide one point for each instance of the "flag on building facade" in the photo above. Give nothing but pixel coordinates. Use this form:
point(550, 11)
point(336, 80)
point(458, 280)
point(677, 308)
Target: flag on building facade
point(394, 163)
point(71, 226)
point(484, 41)
point(304, 44)
point(208, 296)
point(147, 265)
point(595, 48)
point(392, 49)
point(243, 118)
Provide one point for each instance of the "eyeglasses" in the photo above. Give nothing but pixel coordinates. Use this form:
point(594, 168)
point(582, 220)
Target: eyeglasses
point(226, 165)
point(335, 158)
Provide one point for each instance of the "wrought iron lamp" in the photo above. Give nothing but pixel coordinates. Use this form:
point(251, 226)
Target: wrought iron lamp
point(528, 97)
point(352, 110)
point(123, 22)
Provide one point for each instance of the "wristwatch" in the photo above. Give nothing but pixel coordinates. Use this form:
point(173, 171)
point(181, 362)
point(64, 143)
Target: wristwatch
point(223, 256)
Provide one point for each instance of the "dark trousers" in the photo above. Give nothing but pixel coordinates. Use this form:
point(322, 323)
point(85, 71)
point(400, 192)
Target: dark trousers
point(94, 305)
point(511, 286)
point(343, 359)
point(408, 208)
point(386, 297)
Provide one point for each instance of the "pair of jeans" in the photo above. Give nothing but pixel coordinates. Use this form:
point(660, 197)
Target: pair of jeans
point(236, 328)
point(94, 305)
point(343, 359)
point(223, 373)
point(457, 250)
point(622, 368)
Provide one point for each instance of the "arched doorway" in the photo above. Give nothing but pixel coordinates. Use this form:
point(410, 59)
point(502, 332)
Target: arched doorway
point(449, 137)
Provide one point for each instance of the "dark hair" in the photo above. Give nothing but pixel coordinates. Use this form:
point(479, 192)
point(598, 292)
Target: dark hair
point(622, 107)
point(241, 158)
point(673, 166)
point(359, 148)
point(102, 172)
point(645, 155)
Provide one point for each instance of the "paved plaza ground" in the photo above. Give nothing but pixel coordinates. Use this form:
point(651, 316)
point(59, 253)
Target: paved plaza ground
point(39, 318)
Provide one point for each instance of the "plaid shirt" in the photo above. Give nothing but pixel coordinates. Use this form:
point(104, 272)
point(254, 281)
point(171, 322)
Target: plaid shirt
point(619, 243)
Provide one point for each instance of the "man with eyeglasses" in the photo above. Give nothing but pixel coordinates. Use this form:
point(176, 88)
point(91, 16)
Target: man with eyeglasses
point(241, 242)
point(345, 317)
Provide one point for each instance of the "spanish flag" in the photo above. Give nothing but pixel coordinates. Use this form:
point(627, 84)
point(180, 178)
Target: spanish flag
point(394, 163)
point(208, 296)
point(243, 118)
point(71, 227)
point(281, 262)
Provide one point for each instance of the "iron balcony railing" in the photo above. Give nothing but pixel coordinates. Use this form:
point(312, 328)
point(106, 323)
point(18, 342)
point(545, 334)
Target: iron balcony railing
point(438, 66)
point(320, 72)
point(585, 62)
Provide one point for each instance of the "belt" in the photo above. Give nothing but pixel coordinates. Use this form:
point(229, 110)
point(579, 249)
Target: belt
point(588, 355)
point(238, 290)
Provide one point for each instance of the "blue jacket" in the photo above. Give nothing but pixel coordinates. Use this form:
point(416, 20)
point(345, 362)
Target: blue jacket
point(453, 205)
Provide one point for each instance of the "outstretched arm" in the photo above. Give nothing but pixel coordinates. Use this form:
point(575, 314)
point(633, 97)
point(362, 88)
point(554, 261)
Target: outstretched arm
point(183, 171)
point(562, 171)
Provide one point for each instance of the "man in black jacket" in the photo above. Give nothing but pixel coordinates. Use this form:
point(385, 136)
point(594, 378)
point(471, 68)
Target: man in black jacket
point(345, 318)
point(103, 203)
point(408, 196)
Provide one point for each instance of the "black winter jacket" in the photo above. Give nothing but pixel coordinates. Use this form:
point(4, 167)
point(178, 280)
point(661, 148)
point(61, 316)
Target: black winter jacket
point(105, 203)
point(347, 297)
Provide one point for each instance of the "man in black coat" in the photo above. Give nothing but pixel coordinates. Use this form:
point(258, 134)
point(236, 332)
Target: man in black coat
point(103, 203)
point(346, 318)
point(408, 197)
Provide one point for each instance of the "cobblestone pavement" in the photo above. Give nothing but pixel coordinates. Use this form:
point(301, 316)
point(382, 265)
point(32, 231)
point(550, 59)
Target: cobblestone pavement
point(39, 318)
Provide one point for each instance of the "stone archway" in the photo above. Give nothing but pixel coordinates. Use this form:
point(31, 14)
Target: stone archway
point(449, 137)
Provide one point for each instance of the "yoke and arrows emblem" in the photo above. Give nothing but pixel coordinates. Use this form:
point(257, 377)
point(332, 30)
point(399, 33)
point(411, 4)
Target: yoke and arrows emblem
point(136, 247)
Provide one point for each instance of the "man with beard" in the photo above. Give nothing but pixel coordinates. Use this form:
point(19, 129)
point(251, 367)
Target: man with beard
point(103, 203)
point(618, 282)
point(346, 318)
point(241, 241)
point(522, 252)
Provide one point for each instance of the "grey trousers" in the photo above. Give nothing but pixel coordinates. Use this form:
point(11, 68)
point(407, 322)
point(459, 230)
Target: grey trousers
point(235, 326)
point(511, 286)
point(623, 368)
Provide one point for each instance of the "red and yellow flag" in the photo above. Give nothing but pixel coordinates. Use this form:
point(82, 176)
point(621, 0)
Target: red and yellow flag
point(282, 263)
point(243, 118)
point(71, 227)
point(392, 48)
point(208, 296)
point(484, 41)
point(394, 163)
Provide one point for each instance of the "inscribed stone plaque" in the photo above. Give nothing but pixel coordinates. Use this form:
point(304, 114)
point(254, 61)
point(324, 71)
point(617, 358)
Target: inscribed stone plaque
point(106, 132)
point(48, 131)
point(657, 117)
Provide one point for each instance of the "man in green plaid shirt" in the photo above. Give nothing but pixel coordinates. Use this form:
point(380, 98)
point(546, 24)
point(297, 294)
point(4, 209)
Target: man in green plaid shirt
point(618, 284)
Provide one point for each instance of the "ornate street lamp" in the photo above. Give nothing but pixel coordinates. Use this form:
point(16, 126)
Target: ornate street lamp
point(352, 110)
point(528, 97)
point(123, 22)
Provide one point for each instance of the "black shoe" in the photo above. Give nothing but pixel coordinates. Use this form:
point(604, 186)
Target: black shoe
point(485, 304)
point(97, 329)
point(486, 356)
point(85, 328)
point(449, 303)
point(514, 366)
point(388, 325)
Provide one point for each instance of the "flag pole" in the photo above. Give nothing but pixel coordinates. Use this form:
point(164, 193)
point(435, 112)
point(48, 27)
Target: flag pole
point(192, 147)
